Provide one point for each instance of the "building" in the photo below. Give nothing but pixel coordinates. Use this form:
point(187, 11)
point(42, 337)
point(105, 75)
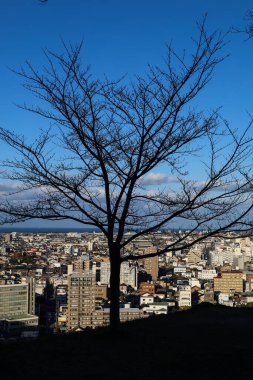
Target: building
point(224, 299)
point(7, 238)
point(81, 300)
point(17, 299)
point(208, 293)
point(17, 307)
point(146, 287)
point(82, 263)
point(83, 310)
point(61, 321)
point(228, 281)
point(156, 308)
point(179, 270)
point(146, 299)
point(14, 325)
point(194, 256)
point(128, 274)
point(249, 282)
point(105, 268)
point(221, 256)
point(31, 294)
point(150, 264)
point(102, 317)
point(101, 292)
point(184, 296)
point(207, 274)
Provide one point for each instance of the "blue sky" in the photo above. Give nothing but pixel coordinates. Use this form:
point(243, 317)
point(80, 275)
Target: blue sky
point(121, 37)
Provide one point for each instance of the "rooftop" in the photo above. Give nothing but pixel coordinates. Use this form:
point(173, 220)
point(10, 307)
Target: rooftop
point(19, 317)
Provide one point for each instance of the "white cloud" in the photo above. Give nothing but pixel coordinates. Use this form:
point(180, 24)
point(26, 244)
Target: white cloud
point(158, 179)
point(8, 187)
point(13, 191)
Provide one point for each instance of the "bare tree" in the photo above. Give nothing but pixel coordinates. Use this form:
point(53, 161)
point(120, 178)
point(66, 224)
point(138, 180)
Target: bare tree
point(106, 140)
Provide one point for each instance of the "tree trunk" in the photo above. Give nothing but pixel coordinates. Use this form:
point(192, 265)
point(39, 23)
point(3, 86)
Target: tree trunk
point(114, 289)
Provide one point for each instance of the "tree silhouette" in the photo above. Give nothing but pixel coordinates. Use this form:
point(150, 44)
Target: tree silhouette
point(108, 142)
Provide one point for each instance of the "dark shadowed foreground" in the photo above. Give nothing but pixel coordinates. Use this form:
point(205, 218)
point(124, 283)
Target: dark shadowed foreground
point(207, 342)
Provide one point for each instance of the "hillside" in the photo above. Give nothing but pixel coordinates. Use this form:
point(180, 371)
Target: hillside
point(207, 342)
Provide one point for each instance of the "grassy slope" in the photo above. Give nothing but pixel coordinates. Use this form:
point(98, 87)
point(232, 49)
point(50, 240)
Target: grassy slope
point(204, 343)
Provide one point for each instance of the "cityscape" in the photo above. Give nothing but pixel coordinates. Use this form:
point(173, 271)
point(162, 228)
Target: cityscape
point(54, 283)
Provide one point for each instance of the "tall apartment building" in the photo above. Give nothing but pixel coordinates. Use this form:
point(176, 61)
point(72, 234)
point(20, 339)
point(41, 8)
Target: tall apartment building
point(150, 264)
point(83, 308)
point(81, 299)
point(227, 281)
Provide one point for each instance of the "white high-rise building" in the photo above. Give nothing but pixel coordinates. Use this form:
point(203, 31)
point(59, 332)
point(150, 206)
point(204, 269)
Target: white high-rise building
point(105, 272)
point(128, 274)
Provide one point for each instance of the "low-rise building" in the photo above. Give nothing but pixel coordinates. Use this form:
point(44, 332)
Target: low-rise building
point(156, 308)
point(146, 287)
point(207, 274)
point(146, 299)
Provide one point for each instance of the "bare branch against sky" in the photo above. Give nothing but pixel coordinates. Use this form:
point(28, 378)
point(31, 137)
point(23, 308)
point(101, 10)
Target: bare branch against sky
point(108, 139)
point(249, 27)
